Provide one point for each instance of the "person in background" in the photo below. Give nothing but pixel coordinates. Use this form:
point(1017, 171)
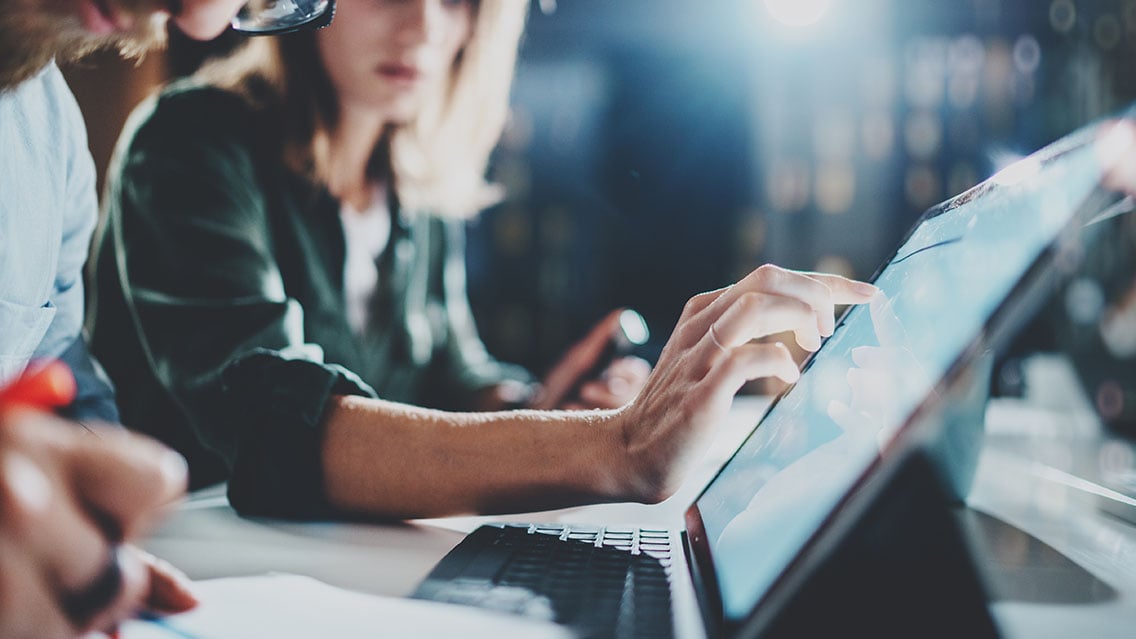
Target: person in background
point(326, 219)
point(280, 284)
point(72, 497)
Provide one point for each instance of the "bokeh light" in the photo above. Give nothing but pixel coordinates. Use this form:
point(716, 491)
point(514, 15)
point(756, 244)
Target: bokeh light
point(1062, 15)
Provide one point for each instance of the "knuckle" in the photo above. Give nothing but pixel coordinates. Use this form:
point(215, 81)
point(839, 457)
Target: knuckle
point(690, 307)
point(752, 302)
point(825, 294)
point(687, 333)
point(768, 273)
point(771, 356)
point(695, 304)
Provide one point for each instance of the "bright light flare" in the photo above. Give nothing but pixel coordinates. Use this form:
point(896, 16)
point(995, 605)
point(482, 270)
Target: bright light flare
point(1017, 171)
point(797, 13)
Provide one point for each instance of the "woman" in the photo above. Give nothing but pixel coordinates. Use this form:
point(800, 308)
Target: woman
point(230, 255)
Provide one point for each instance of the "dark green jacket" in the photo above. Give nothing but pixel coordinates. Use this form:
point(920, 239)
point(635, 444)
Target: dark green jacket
point(220, 311)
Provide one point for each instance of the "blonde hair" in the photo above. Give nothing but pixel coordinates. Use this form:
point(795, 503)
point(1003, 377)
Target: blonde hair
point(437, 161)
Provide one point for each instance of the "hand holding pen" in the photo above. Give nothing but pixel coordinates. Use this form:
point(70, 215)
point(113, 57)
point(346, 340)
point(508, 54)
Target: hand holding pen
point(70, 504)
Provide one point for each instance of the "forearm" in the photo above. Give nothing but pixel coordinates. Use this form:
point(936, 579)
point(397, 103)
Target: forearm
point(393, 460)
point(398, 461)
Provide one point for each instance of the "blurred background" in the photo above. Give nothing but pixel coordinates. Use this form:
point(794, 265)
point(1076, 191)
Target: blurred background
point(658, 148)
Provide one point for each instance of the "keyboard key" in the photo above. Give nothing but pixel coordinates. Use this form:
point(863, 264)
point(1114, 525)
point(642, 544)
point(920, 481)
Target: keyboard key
point(599, 582)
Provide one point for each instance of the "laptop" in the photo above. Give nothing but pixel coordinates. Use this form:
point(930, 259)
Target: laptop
point(880, 392)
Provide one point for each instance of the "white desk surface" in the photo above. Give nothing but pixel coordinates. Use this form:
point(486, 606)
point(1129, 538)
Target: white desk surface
point(1028, 477)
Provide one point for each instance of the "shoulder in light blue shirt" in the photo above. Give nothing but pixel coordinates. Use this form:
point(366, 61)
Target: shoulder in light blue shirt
point(48, 210)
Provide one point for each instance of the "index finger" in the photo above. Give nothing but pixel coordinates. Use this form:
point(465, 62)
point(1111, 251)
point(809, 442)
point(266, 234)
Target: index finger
point(821, 291)
point(845, 290)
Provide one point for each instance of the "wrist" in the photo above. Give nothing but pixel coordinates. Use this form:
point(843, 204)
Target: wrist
point(620, 479)
point(646, 467)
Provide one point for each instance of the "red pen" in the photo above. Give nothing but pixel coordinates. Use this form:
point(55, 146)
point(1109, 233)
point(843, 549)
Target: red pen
point(44, 386)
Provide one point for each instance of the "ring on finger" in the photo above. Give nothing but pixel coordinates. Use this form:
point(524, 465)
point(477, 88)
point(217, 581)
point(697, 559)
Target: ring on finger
point(714, 338)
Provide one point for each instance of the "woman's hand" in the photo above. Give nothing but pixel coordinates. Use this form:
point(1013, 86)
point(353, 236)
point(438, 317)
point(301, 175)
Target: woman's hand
point(616, 386)
point(711, 355)
point(572, 385)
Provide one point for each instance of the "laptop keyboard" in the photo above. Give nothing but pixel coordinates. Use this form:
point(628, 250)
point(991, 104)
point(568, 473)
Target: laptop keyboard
point(601, 582)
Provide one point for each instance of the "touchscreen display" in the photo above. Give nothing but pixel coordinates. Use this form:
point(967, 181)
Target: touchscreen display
point(937, 294)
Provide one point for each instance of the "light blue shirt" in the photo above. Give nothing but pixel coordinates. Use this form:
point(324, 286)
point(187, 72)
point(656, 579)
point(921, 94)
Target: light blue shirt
point(48, 211)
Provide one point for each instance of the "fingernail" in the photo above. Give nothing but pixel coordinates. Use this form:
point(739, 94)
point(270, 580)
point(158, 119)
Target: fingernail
point(813, 344)
point(865, 288)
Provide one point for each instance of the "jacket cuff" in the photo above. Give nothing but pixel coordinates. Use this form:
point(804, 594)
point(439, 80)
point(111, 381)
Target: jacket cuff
point(281, 400)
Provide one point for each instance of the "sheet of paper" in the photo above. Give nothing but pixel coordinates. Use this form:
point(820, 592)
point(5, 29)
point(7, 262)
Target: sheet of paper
point(292, 606)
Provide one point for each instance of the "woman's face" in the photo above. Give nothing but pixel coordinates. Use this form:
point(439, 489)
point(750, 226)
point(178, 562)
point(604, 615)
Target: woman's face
point(388, 55)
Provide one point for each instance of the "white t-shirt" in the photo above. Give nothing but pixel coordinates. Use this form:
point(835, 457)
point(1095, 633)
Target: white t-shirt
point(367, 233)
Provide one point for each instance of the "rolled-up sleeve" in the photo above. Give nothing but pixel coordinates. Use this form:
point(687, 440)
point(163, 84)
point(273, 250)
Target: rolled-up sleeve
point(284, 396)
point(195, 259)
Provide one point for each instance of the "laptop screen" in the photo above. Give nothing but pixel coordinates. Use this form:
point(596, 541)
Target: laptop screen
point(938, 293)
